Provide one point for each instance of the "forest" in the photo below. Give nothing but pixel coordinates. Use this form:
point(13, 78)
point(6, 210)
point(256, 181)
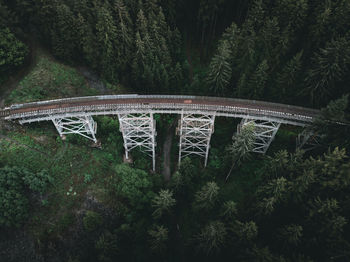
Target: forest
point(72, 201)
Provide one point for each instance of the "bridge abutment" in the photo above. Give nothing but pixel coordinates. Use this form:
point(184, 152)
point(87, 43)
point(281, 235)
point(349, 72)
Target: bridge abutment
point(195, 132)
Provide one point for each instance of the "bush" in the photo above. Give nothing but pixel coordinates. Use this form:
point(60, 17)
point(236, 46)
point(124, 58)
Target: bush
point(133, 184)
point(38, 182)
point(92, 221)
point(13, 202)
point(12, 51)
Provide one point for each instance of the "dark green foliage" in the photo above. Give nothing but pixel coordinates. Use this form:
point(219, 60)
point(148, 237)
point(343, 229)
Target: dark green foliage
point(329, 66)
point(314, 191)
point(14, 202)
point(327, 124)
point(158, 238)
point(264, 50)
point(245, 232)
point(162, 203)
point(291, 51)
point(219, 70)
point(92, 220)
point(38, 182)
point(241, 147)
point(12, 51)
point(132, 184)
point(207, 197)
point(107, 247)
point(212, 237)
point(229, 209)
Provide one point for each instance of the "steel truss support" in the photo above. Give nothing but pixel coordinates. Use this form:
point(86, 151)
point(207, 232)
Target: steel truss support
point(195, 131)
point(264, 131)
point(81, 125)
point(139, 130)
point(308, 140)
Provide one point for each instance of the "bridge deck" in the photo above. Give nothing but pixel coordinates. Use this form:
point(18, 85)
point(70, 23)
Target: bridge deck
point(113, 104)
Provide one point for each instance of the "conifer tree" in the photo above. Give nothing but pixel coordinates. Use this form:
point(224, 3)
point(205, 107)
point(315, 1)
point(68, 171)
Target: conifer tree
point(207, 196)
point(242, 145)
point(125, 39)
point(212, 237)
point(106, 35)
point(328, 67)
point(288, 77)
point(163, 202)
point(257, 82)
point(158, 238)
point(220, 69)
point(291, 234)
point(63, 36)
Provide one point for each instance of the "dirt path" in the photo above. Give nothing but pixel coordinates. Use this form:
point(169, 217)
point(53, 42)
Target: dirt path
point(167, 150)
point(13, 81)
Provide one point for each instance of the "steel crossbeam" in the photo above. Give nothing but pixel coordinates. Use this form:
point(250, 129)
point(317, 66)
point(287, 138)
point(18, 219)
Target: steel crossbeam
point(139, 130)
point(195, 132)
point(308, 140)
point(264, 132)
point(81, 125)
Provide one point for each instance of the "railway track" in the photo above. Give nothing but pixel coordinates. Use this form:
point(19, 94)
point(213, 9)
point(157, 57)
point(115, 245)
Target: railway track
point(113, 104)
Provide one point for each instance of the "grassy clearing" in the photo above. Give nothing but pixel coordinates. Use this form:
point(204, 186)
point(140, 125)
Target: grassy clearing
point(49, 79)
point(76, 169)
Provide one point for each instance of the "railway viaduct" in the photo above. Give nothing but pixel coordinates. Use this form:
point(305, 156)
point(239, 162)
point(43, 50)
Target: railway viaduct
point(138, 127)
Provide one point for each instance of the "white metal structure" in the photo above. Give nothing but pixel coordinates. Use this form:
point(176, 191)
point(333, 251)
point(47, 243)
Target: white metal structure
point(74, 116)
point(117, 104)
point(195, 131)
point(139, 130)
point(308, 140)
point(81, 125)
point(264, 132)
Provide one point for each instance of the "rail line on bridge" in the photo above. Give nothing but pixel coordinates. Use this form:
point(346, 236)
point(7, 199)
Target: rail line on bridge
point(135, 114)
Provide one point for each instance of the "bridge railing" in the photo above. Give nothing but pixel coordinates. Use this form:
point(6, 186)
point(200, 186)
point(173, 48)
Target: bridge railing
point(219, 110)
point(135, 96)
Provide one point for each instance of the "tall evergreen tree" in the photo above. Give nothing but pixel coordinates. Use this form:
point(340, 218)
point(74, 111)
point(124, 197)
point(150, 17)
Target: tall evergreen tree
point(329, 65)
point(220, 70)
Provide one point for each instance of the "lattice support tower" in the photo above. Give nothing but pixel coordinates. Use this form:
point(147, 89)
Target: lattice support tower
point(308, 140)
point(195, 132)
point(80, 125)
point(264, 132)
point(139, 130)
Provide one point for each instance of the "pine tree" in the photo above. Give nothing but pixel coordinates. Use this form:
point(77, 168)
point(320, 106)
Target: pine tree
point(291, 234)
point(86, 41)
point(176, 78)
point(151, 8)
point(257, 82)
point(212, 237)
point(125, 39)
point(106, 34)
point(327, 127)
point(158, 238)
point(292, 12)
point(242, 145)
point(220, 69)
point(207, 196)
point(246, 231)
point(229, 210)
point(63, 35)
point(287, 79)
point(329, 65)
point(163, 202)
